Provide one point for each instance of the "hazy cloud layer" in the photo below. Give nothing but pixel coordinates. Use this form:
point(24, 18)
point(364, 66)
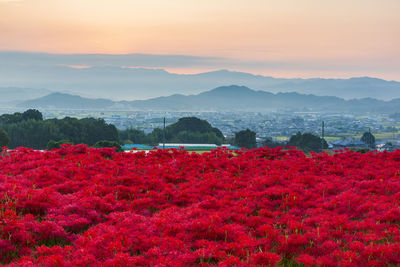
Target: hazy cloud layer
point(101, 60)
point(192, 64)
point(141, 76)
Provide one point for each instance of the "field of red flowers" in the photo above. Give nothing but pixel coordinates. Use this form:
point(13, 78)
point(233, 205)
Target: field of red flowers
point(79, 206)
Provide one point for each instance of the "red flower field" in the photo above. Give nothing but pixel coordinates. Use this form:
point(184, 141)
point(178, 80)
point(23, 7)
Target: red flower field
point(78, 206)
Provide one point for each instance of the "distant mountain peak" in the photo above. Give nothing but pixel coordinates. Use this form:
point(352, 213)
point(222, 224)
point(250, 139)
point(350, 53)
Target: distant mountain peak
point(231, 88)
point(223, 98)
point(59, 94)
point(65, 101)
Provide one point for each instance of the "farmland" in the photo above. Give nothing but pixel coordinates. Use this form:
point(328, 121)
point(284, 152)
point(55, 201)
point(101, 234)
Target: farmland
point(80, 206)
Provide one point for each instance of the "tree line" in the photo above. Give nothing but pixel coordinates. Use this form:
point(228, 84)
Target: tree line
point(186, 130)
point(29, 129)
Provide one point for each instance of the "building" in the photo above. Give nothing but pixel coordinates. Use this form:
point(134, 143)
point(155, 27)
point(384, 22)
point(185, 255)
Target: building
point(354, 144)
point(191, 147)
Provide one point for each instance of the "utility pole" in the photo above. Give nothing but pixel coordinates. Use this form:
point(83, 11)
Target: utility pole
point(322, 135)
point(163, 135)
point(370, 138)
point(393, 129)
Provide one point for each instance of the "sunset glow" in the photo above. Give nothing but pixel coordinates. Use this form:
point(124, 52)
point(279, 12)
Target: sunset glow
point(307, 37)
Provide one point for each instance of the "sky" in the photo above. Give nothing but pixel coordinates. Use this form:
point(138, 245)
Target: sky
point(285, 38)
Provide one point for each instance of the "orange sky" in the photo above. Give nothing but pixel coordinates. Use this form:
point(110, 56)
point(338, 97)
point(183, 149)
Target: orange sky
point(362, 35)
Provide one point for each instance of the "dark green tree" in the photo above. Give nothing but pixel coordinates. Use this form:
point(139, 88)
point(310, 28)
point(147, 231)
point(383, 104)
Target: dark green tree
point(56, 144)
point(32, 114)
point(135, 136)
point(189, 130)
point(369, 139)
point(4, 139)
point(246, 139)
point(107, 143)
point(94, 130)
point(28, 130)
point(307, 142)
point(30, 133)
point(11, 118)
point(193, 124)
point(269, 142)
point(186, 130)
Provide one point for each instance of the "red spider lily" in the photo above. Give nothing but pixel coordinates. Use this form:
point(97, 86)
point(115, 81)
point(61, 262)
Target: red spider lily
point(79, 206)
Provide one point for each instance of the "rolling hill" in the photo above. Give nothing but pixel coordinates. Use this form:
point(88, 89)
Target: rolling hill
point(111, 77)
point(224, 98)
point(66, 101)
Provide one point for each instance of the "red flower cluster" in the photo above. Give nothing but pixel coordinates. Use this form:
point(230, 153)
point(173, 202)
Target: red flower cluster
point(78, 206)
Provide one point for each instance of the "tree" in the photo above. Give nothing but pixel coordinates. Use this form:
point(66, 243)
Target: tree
point(307, 142)
point(190, 124)
point(269, 142)
point(11, 118)
point(369, 139)
point(28, 129)
point(32, 114)
point(135, 136)
point(189, 130)
point(4, 139)
point(94, 130)
point(107, 143)
point(246, 139)
point(56, 144)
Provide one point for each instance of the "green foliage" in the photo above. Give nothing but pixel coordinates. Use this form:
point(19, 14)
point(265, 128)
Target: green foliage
point(186, 130)
point(11, 118)
point(193, 130)
point(32, 114)
point(193, 124)
point(196, 138)
point(4, 139)
point(107, 143)
point(246, 139)
point(56, 144)
point(35, 133)
point(271, 143)
point(135, 136)
point(157, 135)
point(362, 150)
point(307, 142)
point(368, 138)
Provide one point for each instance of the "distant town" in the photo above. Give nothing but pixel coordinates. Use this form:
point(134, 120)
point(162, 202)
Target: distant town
point(340, 129)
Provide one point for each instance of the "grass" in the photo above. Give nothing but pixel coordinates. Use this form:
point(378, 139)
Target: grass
point(281, 138)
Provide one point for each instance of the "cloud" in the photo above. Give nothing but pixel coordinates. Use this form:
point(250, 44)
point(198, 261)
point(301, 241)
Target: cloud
point(196, 64)
point(113, 60)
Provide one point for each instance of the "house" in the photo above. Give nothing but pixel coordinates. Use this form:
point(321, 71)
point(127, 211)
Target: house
point(204, 147)
point(354, 144)
point(389, 146)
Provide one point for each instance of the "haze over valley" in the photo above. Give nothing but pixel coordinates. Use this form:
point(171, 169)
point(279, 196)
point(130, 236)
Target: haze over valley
point(32, 75)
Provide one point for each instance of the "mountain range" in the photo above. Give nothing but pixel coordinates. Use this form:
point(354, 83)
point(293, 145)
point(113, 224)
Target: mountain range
point(224, 98)
point(113, 77)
